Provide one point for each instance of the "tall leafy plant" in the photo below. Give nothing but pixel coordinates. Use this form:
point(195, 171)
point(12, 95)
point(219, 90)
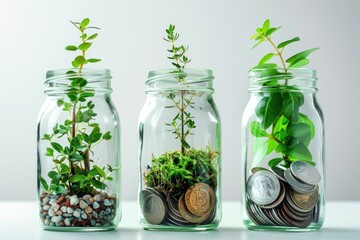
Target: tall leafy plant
point(281, 126)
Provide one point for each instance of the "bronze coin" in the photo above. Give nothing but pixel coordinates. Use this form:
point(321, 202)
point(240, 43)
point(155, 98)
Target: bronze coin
point(297, 213)
point(200, 199)
point(291, 215)
point(186, 214)
point(292, 204)
point(299, 224)
point(305, 201)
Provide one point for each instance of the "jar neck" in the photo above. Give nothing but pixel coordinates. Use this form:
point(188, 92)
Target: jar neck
point(62, 81)
point(282, 80)
point(166, 80)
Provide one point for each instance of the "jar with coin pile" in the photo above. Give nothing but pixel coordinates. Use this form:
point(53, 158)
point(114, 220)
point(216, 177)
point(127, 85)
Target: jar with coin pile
point(180, 152)
point(283, 152)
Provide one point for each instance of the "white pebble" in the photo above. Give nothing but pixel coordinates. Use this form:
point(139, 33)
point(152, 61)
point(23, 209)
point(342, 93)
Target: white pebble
point(46, 207)
point(63, 208)
point(107, 202)
point(74, 200)
point(55, 206)
point(51, 212)
point(95, 205)
point(83, 204)
point(56, 219)
point(70, 210)
point(97, 198)
point(45, 200)
point(76, 214)
point(67, 222)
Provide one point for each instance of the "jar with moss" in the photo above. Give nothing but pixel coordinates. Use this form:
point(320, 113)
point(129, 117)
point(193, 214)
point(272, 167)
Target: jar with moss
point(180, 152)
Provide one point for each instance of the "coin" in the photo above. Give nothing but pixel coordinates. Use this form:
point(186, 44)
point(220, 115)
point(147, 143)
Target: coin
point(174, 217)
point(292, 215)
point(154, 209)
point(294, 183)
point(186, 214)
point(200, 199)
point(251, 214)
point(300, 224)
point(293, 205)
point(279, 172)
point(263, 187)
point(316, 213)
point(305, 201)
point(210, 217)
point(278, 200)
point(256, 169)
point(277, 218)
point(305, 172)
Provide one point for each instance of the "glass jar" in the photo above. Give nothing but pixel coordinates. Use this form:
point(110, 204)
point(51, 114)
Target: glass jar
point(78, 138)
point(180, 146)
point(283, 153)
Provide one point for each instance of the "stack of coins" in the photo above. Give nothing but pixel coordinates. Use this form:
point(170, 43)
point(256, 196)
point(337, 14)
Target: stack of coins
point(284, 197)
point(193, 207)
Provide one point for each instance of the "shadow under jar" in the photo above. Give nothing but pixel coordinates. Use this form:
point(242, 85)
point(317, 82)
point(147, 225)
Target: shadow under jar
point(180, 146)
point(78, 153)
point(283, 152)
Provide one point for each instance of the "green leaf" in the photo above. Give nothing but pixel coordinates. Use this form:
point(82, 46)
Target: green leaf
point(52, 174)
point(256, 130)
point(80, 60)
point(301, 131)
point(49, 152)
point(272, 110)
point(60, 102)
point(93, 172)
point(261, 149)
point(98, 184)
point(280, 123)
point(299, 56)
point(84, 46)
point(44, 184)
point(300, 63)
point(299, 152)
point(285, 43)
point(305, 119)
point(281, 148)
point(291, 106)
point(271, 31)
point(185, 144)
point(258, 43)
point(77, 178)
point(64, 168)
point(107, 136)
point(57, 147)
point(76, 157)
point(60, 189)
point(75, 64)
point(100, 171)
point(85, 22)
point(71, 48)
point(274, 162)
point(266, 25)
point(92, 36)
point(93, 60)
point(266, 58)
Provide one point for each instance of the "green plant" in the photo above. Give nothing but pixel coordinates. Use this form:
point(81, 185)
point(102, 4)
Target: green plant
point(73, 172)
point(290, 130)
point(183, 122)
point(178, 170)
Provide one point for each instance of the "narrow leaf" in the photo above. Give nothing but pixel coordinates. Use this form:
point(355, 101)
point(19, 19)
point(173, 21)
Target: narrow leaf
point(256, 130)
point(71, 48)
point(266, 58)
point(300, 63)
point(84, 46)
point(301, 55)
point(285, 43)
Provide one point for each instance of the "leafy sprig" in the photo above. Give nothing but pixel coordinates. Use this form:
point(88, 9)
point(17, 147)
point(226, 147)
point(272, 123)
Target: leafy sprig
point(183, 122)
point(72, 170)
point(291, 131)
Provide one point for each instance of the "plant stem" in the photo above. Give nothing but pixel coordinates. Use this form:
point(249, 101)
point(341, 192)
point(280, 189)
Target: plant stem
point(279, 53)
point(182, 121)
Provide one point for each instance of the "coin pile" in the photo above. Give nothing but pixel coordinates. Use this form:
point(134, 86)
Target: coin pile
point(193, 207)
point(284, 197)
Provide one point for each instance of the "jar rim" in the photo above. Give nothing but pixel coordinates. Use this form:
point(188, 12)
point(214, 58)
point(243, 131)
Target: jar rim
point(197, 75)
point(306, 72)
point(62, 73)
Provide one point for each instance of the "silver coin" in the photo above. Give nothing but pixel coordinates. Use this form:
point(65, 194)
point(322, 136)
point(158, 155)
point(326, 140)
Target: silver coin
point(174, 217)
point(305, 172)
point(316, 212)
point(277, 218)
point(251, 214)
point(294, 183)
point(256, 214)
point(263, 187)
point(262, 215)
point(154, 209)
point(279, 200)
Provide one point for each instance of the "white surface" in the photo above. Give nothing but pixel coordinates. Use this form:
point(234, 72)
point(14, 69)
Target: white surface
point(35, 32)
point(341, 223)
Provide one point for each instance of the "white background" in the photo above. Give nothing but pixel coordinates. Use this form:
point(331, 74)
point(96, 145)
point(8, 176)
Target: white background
point(33, 35)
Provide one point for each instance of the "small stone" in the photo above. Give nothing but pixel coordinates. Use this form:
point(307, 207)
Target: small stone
point(76, 214)
point(95, 205)
point(95, 214)
point(69, 210)
point(108, 210)
point(97, 197)
point(91, 200)
point(45, 201)
point(92, 222)
point(101, 214)
point(56, 219)
point(59, 213)
point(46, 207)
point(60, 199)
point(55, 206)
point(47, 222)
point(63, 208)
point(84, 216)
point(52, 201)
point(74, 200)
point(107, 202)
point(67, 222)
point(67, 202)
point(83, 204)
point(67, 215)
point(88, 209)
point(51, 212)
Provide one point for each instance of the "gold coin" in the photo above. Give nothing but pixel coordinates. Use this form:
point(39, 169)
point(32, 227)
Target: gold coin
point(305, 201)
point(200, 199)
point(188, 215)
